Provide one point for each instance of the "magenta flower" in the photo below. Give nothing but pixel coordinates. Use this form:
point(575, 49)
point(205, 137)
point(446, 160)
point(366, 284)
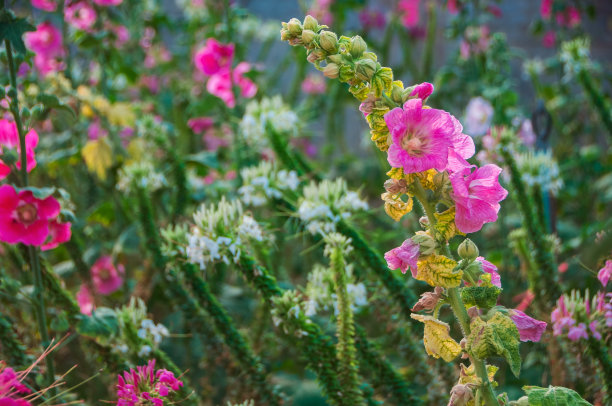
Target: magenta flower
point(85, 300)
point(476, 194)
point(409, 12)
point(106, 278)
point(490, 269)
point(546, 9)
point(577, 332)
point(58, 233)
point(372, 19)
point(404, 257)
point(548, 40)
point(80, 15)
point(24, 218)
point(9, 139)
point(605, 273)
point(214, 57)
point(452, 7)
point(529, 328)
point(593, 327)
point(220, 84)
point(423, 91)
point(145, 386)
point(46, 5)
point(200, 124)
point(11, 388)
point(420, 137)
point(107, 3)
point(46, 42)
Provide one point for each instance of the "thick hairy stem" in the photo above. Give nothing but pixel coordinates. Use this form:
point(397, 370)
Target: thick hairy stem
point(149, 229)
point(548, 286)
point(10, 345)
point(237, 343)
point(382, 372)
point(347, 360)
point(597, 99)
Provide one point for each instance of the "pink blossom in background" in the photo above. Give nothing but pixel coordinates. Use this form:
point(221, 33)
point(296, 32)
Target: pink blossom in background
point(605, 273)
point(549, 39)
point(23, 69)
point(593, 327)
point(146, 39)
point(25, 218)
point(526, 133)
point(200, 124)
point(478, 116)
point(85, 300)
point(121, 33)
point(403, 257)
point(525, 300)
point(107, 3)
point(214, 57)
point(476, 194)
point(546, 9)
point(95, 130)
point(145, 385)
point(529, 328)
point(321, 10)
point(46, 42)
point(372, 19)
point(575, 333)
point(494, 10)
point(570, 17)
point(490, 269)
point(409, 12)
point(12, 391)
point(248, 88)
point(59, 233)
point(220, 84)
point(151, 82)
point(217, 138)
point(452, 7)
point(80, 15)
point(9, 139)
point(46, 5)
point(313, 84)
point(106, 277)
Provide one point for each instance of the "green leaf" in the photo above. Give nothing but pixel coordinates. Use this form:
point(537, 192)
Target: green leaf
point(51, 101)
point(553, 396)
point(12, 29)
point(102, 323)
point(60, 322)
point(40, 192)
point(497, 336)
point(204, 158)
point(484, 297)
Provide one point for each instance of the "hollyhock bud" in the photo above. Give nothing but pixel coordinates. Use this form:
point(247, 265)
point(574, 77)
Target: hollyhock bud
point(328, 41)
point(308, 36)
point(364, 69)
point(310, 23)
point(468, 250)
point(316, 55)
point(331, 71)
point(428, 300)
point(358, 46)
point(395, 186)
point(294, 26)
point(460, 395)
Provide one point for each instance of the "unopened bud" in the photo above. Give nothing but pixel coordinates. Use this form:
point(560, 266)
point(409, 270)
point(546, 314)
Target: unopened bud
point(294, 26)
point(331, 70)
point(25, 113)
point(310, 23)
point(285, 35)
point(396, 93)
point(427, 302)
point(424, 222)
point(12, 93)
point(308, 36)
point(468, 250)
point(346, 73)
point(316, 55)
point(358, 46)
point(335, 58)
point(328, 41)
point(395, 186)
point(460, 395)
point(364, 69)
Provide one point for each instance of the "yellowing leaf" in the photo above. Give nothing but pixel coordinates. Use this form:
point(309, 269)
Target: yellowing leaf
point(395, 207)
point(437, 270)
point(467, 375)
point(381, 139)
point(121, 114)
point(136, 150)
point(445, 225)
point(437, 340)
point(98, 156)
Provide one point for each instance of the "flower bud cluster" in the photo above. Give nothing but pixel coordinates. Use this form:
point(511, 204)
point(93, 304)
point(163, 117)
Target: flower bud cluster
point(320, 290)
point(141, 174)
point(289, 313)
point(540, 169)
point(135, 315)
point(264, 182)
point(268, 114)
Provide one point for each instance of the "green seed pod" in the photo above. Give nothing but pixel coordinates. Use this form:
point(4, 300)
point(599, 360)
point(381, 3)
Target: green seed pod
point(310, 23)
point(364, 69)
point(328, 41)
point(308, 36)
point(331, 71)
point(468, 250)
point(335, 58)
point(12, 93)
point(294, 26)
point(358, 46)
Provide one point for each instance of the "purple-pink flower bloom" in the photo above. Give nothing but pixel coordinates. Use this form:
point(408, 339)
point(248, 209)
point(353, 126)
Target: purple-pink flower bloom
point(214, 57)
point(85, 300)
point(529, 328)
point(404, 257)
point(9, 139)
point(11, 388)
point(200, 124)
point(107, 3)
point(221, 84)
point(80, 15)
point(605, 273)
point(409, 12)
point(423, 90)
point(106, 278)
point(577, 332)
point(46, 42)
point(46, 5)
point(490, 269)
point(476, 194)
point(145, 385)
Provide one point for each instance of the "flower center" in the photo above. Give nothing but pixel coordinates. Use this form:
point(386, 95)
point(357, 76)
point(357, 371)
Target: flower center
point(414, 144)
point(104, 274)
point(27, 214)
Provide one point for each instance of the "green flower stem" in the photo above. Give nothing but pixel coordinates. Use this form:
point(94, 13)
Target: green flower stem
point(12, 348)
point(149, 229)
point(382, 371)
point(430, 41)
point(237, 343)
point(601, 353)
point(347, 360)
point(598, 100)
point(547, 290)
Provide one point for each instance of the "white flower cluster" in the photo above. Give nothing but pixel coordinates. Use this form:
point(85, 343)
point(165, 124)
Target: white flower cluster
point(325, 203)
point(153, 332)
point(540, 169)
point(267, 112)
point(263, 31)
point(289, 313)
point(321, 293)
point(575, 56)
point(263, 182)
point(140, 174)
point(136, 314)
point(219, 233)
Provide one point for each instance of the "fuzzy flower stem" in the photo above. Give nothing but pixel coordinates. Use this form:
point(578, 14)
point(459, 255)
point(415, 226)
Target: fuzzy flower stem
point(345, 331)
point(548, 286)
point(233, 338)
point(597, 99)
point(149, 229)
point(12, 348)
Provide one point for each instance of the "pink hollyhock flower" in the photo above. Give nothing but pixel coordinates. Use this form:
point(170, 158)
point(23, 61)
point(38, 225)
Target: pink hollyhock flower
point(403, 257)
point(410, 12)
point(220, 84)
point(24, 218)
point(58, 233)
point(9, 139)
point(11, 388)
point(95, 130)
point(80, 15)
point(573, 16)
point(420, 137)
point(577, 332)
point(200, 124)
point(247, 87)
point(46, 5)
point(495, 11)
point(313, 84)
point(478, 117)
point(214, 57)
point(529, 329)
point(548, 40)
point(476, 194)
point(605, 273)
point(107, 3)
point(372, 19)
point(215, 139)
point(106, 278)
point(490, 269)
point(423, 91)
point(85, 300)
point(452, 6)
point(145, 385)
point(563, 267)
point(46, 40)
point(546, 9)
point(525, 300)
